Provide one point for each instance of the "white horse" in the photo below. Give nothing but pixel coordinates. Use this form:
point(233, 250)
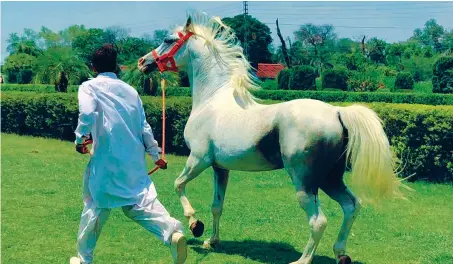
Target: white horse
point(229, 130)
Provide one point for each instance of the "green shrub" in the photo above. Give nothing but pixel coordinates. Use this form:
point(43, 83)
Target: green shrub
point(442, 75)
point(418, 76)
point(327, 96)
point(269, 85)
point(283, 79)
point(24, 76)
point(423, 87)
point(389, 83)
point(419, 67)
point(39, 88)
point(360, 82)
point(302, 78)
point(420, 135)
point(404, 80)
point(339, 96)
point(335, 78)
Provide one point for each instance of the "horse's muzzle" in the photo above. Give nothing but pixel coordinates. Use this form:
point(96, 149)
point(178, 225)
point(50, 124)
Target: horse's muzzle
point(148, 68)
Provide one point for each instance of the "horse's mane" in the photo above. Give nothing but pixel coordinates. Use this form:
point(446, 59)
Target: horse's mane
point(223, 44)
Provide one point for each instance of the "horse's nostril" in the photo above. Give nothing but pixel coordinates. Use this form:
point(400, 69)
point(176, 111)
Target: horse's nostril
point(140, 61)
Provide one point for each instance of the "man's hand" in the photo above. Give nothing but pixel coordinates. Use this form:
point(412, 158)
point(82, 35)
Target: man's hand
point(82, 148)
point(162, 164)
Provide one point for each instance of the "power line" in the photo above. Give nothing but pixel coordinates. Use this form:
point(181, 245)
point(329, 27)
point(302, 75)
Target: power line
point(221, 7)
point(339, 26)
point(358, 4)
point(303, 9)
point(148, 23)
point(368, 16)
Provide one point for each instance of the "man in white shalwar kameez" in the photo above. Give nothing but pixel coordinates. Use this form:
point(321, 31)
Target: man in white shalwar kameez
point(112, 115)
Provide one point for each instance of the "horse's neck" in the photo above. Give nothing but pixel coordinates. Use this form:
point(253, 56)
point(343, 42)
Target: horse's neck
point(207, 78)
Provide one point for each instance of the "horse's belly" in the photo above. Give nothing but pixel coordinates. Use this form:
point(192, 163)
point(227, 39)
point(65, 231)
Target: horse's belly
point(246, 163)
point(252, 159)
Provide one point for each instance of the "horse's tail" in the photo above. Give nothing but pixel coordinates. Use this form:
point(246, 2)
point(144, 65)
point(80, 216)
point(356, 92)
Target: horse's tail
point(368, 151)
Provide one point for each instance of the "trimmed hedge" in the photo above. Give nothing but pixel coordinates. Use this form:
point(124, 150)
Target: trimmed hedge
point(340, 96)
point(326, 96)
point(335, 78)
point(283, 79)
point(302, 78)
point(443, 75)
point(422, 135)
point(38, 88)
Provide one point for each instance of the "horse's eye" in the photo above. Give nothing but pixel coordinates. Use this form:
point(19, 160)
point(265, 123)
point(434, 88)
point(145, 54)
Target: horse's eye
point(169, 40)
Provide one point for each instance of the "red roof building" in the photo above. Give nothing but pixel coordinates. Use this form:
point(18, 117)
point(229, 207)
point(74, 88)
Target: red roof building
point(268, 70)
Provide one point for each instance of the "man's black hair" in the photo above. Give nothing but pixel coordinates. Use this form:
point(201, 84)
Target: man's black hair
point(104, 59)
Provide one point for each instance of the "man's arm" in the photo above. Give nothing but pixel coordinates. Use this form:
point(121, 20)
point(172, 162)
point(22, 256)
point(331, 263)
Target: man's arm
point(151, 145)
point(87, 107)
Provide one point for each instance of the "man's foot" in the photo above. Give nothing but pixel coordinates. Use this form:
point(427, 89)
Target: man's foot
point(178, 248)
point(75, 260)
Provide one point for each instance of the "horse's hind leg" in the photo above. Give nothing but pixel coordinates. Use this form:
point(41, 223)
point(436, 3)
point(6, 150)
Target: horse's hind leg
point(317, 221)
point(351, 207)
point(220, 185)
point(308, 200)
point(194, 166)
point(335, 188)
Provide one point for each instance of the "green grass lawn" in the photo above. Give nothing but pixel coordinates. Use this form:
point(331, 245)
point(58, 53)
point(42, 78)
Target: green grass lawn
point(262, 221)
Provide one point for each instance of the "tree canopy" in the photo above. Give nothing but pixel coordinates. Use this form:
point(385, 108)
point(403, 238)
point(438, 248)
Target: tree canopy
point(258, 37)
point(46, 55)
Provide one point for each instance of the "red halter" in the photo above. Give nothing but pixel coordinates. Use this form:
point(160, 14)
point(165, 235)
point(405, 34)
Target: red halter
point(163, 60)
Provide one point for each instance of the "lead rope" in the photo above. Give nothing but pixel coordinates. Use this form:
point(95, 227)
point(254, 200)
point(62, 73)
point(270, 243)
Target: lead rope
point(162, 85)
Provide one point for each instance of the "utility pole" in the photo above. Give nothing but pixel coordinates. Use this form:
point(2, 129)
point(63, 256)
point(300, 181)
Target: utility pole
point(246, 33)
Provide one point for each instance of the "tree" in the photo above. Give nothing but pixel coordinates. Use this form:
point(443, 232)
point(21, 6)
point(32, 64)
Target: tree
point(319, 39)
point(69, 34)
point(134, 77)
point(51, 39)
point(447, 41)
point(299, 54)
point(430, 35)
point(26, 43)
point(283, 48)
point(376, 50)
point(132, 48)
point(19, 65)
point(315, 36)
point(86, 43)
point(60, 62)
point(159, 36)
point(258, 37)
point(394, 53)
point(354, 61)
point(115, 35)
point(345, 45)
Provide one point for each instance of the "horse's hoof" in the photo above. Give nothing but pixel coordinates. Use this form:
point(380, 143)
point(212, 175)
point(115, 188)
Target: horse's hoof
point(197, 228)
point(344, 260)
point(210, 245)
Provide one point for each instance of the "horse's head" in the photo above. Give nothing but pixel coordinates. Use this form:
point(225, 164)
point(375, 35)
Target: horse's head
point(172, 54)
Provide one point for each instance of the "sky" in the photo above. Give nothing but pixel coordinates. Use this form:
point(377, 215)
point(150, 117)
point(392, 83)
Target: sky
point(391, 21)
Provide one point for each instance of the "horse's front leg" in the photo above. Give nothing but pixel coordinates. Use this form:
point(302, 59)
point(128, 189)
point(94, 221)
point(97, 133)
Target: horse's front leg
point(220, 185)
point(194, 166)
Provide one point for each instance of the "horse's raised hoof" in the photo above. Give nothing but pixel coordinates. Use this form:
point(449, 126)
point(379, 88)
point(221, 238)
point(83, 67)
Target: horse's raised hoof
point(344, 260)
point(197, 228)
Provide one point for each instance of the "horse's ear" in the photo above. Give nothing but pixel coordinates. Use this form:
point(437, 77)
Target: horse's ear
point(188, 27)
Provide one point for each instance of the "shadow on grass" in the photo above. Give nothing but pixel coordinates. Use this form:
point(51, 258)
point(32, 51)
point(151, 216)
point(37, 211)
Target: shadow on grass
point(261, 251)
